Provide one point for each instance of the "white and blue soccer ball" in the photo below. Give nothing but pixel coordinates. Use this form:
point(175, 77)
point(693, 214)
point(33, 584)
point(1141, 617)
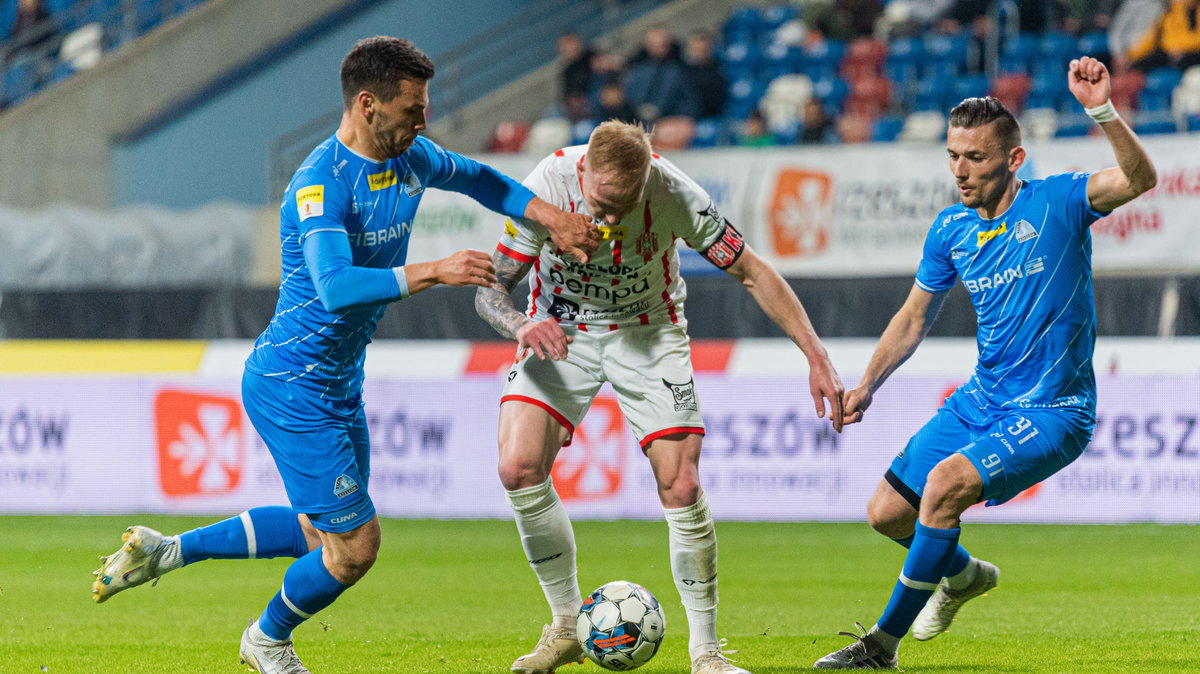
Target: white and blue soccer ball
point(620, 626)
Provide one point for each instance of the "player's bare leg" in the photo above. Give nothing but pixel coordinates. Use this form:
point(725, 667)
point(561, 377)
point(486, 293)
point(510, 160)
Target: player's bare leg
point(675, 459)
point(529, 442)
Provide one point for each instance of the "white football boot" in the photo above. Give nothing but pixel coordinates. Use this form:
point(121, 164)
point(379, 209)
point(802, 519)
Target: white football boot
point(864, 653)
point(557, 647)
point(267, 656)
point(716, 661)
point(144, 555)
point(941, 608)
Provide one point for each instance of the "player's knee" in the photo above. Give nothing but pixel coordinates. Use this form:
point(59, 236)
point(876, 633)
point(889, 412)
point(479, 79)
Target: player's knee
point(888, 522)
point(520, 474)
point(352, 563)
point(951, 489)
point(680, 490)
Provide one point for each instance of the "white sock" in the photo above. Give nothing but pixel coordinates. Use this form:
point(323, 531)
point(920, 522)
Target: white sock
point(693, 543)
point(964, 578)
point(891, 643)
point(549, 544)
point(172, 555)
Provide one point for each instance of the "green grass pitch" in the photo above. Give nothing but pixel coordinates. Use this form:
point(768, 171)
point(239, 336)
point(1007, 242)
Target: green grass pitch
point(453, 596)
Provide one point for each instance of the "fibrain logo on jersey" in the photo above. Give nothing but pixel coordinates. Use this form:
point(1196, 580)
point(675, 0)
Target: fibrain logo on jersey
point(201, 446)
point(801, 212)
point(592, 467)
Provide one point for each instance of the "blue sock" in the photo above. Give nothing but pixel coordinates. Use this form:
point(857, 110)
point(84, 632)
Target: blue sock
point(931, 553)
point(957, 563)
point(258, 533)
point(308, 587)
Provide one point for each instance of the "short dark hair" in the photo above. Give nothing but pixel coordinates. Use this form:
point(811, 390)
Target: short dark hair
point(377, 64)
point(975, 112)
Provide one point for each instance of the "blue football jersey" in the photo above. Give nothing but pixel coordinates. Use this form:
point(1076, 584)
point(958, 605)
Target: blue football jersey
point(1029, 275)
point(373, 204)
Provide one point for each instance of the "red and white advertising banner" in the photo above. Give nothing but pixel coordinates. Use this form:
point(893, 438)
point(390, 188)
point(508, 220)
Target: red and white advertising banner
point(183, 445)
point(864, 210)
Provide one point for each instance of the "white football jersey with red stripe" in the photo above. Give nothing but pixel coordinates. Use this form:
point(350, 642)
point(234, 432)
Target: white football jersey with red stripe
point(633, 277)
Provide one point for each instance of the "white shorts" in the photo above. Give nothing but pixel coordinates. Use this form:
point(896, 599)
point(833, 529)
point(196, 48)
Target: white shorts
point(649, 367)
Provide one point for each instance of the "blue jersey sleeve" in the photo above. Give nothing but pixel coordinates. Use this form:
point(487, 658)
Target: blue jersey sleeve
point(340, 285)
point(1070, 190)
point(446, 170)
point(318, 203)
point(936, 272)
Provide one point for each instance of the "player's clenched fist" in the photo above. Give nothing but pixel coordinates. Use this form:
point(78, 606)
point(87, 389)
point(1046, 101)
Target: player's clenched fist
point(467, 267)
point(545, 338)
point(572, 233)
point(1088, 80)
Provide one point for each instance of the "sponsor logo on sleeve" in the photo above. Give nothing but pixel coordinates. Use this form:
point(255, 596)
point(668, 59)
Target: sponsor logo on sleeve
point(510, 229)
point(379, 181)
point(612, 232)
point(987, 235)
point(310, 202)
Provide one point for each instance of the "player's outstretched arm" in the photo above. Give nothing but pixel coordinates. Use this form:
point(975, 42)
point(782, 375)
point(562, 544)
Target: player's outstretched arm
point(463, 268)
point(775, 297)
point(494, 304)
point(573, 233)
point(900, 339)
point(1089, 82)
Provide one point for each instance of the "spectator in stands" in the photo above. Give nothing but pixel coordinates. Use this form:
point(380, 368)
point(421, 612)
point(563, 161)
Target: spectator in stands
point(818, 125)
point(843, 19)
point(613, 104)
point(1173, 41)
point(709, 81)
point(660, 85)
point(30, 31)
point(577, 108)
point(1131, 24)
point(754, 132)
point(576, 58)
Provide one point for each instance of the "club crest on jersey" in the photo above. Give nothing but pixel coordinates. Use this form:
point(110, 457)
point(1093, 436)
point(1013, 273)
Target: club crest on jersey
point(412, 184)
point(684, 394)
point(563, 308)
point(987, 235)
point(1024, 231)
point(646, 245)
point(344, 486)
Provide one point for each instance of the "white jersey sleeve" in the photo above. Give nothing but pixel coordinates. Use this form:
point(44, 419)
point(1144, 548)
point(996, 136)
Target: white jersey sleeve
point(700, 224)
point(522, 239)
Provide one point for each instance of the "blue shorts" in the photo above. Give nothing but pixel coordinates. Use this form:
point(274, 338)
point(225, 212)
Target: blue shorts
point(320, 447)
point(1012, 449)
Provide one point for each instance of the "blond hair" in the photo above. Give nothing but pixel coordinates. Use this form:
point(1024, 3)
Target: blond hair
point(621, 152)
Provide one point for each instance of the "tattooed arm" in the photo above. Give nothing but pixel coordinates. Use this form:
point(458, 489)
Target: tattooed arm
point(494, 304)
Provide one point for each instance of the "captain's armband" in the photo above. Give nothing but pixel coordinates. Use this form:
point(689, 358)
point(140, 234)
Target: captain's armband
point(726, 249)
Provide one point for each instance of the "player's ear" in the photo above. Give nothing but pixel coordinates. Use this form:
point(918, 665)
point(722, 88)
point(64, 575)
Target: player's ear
point(1016, 158)
point(366, 104)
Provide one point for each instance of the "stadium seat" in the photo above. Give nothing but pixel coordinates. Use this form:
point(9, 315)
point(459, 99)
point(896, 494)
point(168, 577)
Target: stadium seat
point(1094, 44)
point(509, 136)
point(925, 126)
point(780, 59)
point(1074, 124)
point(785, 98)
point(864, 58)
point(1011, 90)
point(822, 59)
point(1126, 87)
point(869, 96)
point(854, 128)
point(934, 94)
point(887, 128)
point(1055, 51)
point(1018, 53)
point(776, 15)
point(903, 63)
point(740, 59)
point(547, 135)
point(1040, 123)
point(581, 131)
point(1154, 122)
point(673, 133)
point(944, 54)
point(1185, 100)
point(832, 92)
point(19, 80)
point(742, 26)
point(83, 47)
point(710, 132)
point(970, 86)
point(744, 95)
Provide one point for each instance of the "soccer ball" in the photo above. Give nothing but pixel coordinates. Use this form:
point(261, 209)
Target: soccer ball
point(620, 626)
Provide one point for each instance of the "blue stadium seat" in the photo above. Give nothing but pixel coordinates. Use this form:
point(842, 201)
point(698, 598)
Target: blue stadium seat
point(743, 25)
point(887, 128)
point(822, 60)
point(740, 59)
point(934, 94)
point(62, 70)
point(780, 59)
point(1056, 45)
point(744, 94)
point(19, 81)
point(1162, 80)
point(1193, 122)
point(8, 11)
point(582, 130)
point(710, 132)
point(57, 6)
point(1073, 124)
point(945, 54)
point(831, 91)
point(776, 15)
point(1018, 53)
point(1093, 44)
point(1161, 121)
point(971, 86)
